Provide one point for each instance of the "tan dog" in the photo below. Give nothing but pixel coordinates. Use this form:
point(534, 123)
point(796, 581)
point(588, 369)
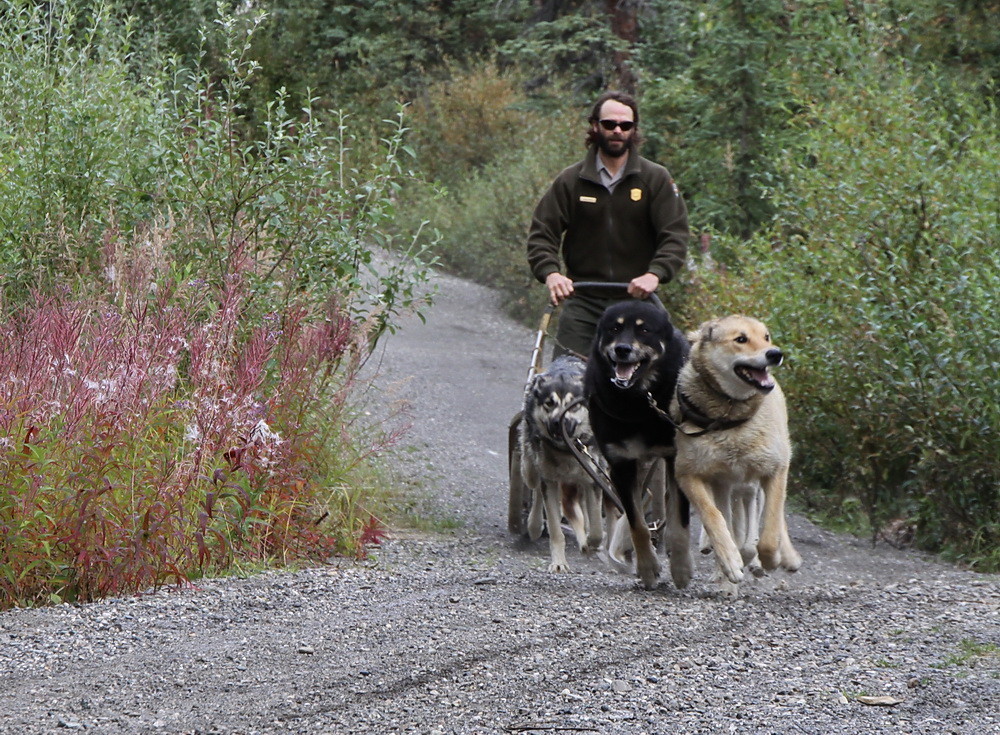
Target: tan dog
point(733, 436)
point(746, 507)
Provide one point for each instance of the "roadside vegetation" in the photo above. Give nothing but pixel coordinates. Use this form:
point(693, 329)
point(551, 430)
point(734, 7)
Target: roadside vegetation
point(192, 196)
point(187, 306)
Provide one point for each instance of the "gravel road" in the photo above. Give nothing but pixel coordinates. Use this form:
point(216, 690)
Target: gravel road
point(466, 631)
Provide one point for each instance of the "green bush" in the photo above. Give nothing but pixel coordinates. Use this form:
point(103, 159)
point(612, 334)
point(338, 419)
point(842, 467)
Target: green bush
point(76, 132)
point(365, 54)
point(292, 195)
point(467, 121)
point(483, 222)
point(87, 145)
point(882, 277)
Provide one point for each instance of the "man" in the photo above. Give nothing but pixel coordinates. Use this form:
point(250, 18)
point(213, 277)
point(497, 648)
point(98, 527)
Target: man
point(613, 217)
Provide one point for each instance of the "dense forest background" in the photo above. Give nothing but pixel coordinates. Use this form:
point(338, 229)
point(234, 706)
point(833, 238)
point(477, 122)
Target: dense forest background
point(233, 167)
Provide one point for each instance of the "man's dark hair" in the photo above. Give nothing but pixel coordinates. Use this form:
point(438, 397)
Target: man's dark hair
point(595, 115)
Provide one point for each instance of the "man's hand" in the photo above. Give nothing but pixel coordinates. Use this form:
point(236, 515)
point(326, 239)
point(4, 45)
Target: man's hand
point(643, 286)
point(560, 287)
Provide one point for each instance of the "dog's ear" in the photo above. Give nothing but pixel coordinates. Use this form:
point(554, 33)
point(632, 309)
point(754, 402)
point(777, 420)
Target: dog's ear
point(529, 389)
point(705, 331)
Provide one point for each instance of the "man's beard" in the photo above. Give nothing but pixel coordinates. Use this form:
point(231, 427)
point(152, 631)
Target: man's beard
point(604, 144)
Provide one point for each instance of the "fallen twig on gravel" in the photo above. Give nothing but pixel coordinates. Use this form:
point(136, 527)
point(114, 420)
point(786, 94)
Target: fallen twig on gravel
point(548, 728)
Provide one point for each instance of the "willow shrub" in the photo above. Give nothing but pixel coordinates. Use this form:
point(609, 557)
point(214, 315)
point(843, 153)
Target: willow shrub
point(92, 137)
point(77, 132)
point(882, 278)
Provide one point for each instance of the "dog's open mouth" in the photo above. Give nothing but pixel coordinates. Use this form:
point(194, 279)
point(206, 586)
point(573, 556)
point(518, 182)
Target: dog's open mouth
point(759, 378)
point(625, 373)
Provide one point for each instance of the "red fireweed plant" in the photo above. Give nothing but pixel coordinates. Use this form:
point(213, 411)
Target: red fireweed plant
point(158, 431)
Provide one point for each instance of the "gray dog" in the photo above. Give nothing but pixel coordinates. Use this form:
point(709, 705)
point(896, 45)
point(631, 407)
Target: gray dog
point(558, 482)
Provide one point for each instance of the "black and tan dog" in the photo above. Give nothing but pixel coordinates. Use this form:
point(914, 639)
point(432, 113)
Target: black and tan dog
point(634, 362)
point(559, 484)
point(732, 442)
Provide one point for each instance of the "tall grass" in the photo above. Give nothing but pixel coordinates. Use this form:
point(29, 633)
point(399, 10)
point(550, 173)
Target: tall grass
point(149, 435)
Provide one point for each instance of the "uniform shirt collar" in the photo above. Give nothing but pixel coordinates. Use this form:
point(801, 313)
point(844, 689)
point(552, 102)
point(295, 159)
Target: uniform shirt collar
point(591, 161)
point(610, 181)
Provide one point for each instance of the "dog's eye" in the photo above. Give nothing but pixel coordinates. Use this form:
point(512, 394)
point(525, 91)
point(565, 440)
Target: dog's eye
point(742, 339)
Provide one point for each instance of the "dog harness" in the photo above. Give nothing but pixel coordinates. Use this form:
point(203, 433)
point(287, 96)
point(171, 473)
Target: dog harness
point(690, 412)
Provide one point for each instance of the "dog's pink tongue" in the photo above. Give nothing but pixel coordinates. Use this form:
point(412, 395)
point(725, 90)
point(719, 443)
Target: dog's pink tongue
point(763, 378)
point(625, 370)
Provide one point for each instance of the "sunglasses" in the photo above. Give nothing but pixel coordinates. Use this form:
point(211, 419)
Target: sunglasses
point(610, 125)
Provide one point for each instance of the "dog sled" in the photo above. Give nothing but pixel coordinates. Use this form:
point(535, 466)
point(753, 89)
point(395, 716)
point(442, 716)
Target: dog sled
point(519, 495)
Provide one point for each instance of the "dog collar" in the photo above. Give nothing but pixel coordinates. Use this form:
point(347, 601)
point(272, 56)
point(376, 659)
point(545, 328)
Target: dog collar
point(690, 412)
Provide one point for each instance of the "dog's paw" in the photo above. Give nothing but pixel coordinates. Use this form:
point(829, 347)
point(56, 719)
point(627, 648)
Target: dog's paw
point(649, 572)
point(769, 556)
point(791, 561)
point(720, 587)
point(681, 575)
point(784, 556)
point(557, 567)
point(680, 566)
point(733, 573)
point(649, 584)
point(535, 527)
point(751, 562)
point(730, 564)
point(749, 555)
point(618, 564)
point(591, 545)
point(727, 590)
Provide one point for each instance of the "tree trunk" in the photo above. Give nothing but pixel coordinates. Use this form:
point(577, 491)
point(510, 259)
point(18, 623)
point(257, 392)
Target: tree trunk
point(624, 24)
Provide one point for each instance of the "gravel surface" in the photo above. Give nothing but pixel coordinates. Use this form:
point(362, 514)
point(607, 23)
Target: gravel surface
point(466, 632)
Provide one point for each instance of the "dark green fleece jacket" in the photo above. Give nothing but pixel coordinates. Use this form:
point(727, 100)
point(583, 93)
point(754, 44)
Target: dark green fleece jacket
point(641, 227)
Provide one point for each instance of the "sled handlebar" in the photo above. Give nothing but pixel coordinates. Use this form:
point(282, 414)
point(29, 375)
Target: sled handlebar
point(591, 286)
point(611, 287)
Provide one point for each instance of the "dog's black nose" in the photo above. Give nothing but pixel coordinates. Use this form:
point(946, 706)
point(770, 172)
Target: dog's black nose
point(775, 356)
point(623, 352)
